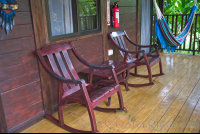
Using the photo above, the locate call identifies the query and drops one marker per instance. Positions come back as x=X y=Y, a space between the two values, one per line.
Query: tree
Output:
x=180 y=6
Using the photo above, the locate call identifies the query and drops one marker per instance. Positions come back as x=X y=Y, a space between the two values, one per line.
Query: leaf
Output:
x=187 y=2
x=183 y=3
x=186 y=10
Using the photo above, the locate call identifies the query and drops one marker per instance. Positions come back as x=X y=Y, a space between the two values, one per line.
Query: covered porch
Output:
x=171 y=105
x=28 y=93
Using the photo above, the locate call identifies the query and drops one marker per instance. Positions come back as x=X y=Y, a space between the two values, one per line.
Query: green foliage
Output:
x=179 y=6
x=87 y=7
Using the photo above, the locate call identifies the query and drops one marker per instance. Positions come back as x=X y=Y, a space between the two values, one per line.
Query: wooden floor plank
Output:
x=183 y=117
x=136 y=107
x=154 y=96
x=193 y=125
x=158 y=112
x=169 y=117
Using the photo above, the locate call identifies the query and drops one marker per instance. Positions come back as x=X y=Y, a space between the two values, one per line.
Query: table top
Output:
x=106 y=73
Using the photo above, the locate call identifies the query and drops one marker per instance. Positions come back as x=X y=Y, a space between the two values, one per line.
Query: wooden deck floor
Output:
x=171 y=105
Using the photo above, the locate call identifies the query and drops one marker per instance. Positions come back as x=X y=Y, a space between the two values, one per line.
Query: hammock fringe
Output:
x=162 y=40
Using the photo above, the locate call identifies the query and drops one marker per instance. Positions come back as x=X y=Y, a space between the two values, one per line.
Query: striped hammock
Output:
x=166 y=37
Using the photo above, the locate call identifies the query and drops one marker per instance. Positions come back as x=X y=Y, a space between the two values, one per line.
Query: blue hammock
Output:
x=166 y=37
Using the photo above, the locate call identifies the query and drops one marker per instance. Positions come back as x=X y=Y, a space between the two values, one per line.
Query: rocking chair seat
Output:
x=97 y=96
x=152 y=61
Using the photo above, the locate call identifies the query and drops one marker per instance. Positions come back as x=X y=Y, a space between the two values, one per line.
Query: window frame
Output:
x=76 y=34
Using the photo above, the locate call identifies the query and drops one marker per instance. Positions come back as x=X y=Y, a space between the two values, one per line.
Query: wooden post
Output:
x=41 y=39
x=161 y=5
x=151 y=30
x=3 y=124
x=138 y=18
x=104 y=28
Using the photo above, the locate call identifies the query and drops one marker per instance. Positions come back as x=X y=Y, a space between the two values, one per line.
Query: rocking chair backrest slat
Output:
x=61 y=64
x=63 y=67
x=55 y=68
x=117 y=42
x=53 y=64
x=71 y=67
x=130 y=57
x=123 y=45
x=118 y=38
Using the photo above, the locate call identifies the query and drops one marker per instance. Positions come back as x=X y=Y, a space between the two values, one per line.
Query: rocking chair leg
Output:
x=123 y=75
x=60 y=115
x=126 y=80
x=160 y=65
x=92 y=119
x=150 y=74
x=119 y=93
x=109 y=101
x=120 y=99
x=136 y=71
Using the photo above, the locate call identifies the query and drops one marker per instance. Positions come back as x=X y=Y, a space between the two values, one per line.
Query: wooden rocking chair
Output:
x=148 y=60
x=73 y=90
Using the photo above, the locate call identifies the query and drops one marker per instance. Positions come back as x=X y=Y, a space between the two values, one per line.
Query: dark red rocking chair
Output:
x=147 y=60
x=73 y=90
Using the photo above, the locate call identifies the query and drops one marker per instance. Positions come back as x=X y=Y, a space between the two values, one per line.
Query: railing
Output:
x=88 y=22
x=177 y=23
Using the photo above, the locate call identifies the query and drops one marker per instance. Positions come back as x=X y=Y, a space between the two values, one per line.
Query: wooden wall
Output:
x=19 y=77
x=128 y=22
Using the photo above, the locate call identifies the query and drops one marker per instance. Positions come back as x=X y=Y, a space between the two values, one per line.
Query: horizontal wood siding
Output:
x=20 y=87
x=128 y=22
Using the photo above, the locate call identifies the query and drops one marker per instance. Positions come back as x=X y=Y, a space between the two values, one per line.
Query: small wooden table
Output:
x=120 y=67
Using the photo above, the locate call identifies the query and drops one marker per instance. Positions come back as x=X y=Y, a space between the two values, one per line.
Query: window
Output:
x=72 y=18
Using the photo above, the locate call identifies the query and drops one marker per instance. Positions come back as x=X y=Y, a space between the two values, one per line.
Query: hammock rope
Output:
x=166 y=36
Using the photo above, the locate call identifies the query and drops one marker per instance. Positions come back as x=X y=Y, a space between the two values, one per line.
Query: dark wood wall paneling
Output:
x=128 y=22
x=19 y=78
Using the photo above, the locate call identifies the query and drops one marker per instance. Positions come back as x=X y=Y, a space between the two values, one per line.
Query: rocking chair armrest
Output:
x=142 y=46
x=131 y=52
x=67 y=81
x=89 y=64
x=135 y=44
